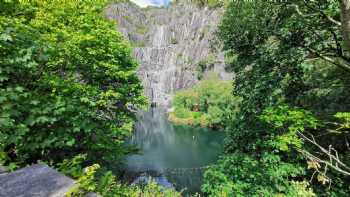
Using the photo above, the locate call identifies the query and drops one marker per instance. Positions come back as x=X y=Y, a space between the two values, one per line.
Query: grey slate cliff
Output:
x=169 y=43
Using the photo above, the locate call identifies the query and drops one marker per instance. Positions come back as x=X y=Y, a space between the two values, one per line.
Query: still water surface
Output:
x=176 y=153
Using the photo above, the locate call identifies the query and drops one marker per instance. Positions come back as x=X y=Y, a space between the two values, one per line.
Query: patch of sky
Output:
x=145 y=3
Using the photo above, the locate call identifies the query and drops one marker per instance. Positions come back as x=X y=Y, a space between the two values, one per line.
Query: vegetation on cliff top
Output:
x=204 y=3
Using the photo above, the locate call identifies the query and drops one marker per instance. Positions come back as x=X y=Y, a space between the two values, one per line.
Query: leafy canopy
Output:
x=288 y=56
x=66 y=81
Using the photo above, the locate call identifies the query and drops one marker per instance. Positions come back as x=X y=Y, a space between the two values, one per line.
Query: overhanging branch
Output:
x=334 y=162
x=337 y=61
x=329 y=18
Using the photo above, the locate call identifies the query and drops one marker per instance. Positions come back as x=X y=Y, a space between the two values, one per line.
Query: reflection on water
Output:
x=173 y=151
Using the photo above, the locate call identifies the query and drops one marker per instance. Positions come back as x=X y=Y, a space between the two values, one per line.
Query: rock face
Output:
x=170 y=43
x=34 y=181
x=2 y=170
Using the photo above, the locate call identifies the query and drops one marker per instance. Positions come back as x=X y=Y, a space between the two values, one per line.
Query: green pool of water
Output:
x=178 y=153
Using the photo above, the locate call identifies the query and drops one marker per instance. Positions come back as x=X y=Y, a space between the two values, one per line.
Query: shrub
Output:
x=174 y=41
x=207 y=104
x=205 y=64
x=241 y=175
x=102 y=182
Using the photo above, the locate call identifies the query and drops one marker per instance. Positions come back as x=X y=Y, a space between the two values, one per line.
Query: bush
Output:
x=104 y=183
x=207 y=104
x=174 y=41
x=241 y=175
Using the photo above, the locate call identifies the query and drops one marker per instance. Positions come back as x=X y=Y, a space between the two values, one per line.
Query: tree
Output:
x=345 y=22
x=281 y=50
x=66 y=81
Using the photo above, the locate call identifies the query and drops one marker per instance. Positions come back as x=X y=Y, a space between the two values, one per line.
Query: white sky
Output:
x=145 y=3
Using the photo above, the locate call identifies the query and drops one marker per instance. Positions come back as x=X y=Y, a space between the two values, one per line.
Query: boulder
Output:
x=161 y=181
x=3 y=170
x=92 y=195
x=35 y=181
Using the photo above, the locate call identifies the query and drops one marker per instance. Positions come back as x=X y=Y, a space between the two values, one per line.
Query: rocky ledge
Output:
x=35 y=181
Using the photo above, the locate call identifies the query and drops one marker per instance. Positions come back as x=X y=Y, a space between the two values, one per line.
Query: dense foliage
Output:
x=292 y=75
x=209 y=103
x=67 y=82
x=106 y=185
x=65 y=85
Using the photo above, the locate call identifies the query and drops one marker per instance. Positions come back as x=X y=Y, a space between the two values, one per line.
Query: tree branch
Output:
x=340 y=62
x=312 y=157
x=331 y=153
x=332 y=20
x=297 y=9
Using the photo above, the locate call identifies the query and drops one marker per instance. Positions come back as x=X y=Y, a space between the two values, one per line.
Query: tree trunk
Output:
x=345 y=22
